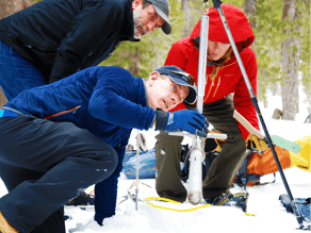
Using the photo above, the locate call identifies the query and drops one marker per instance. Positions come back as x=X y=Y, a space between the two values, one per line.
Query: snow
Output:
x=263 y=201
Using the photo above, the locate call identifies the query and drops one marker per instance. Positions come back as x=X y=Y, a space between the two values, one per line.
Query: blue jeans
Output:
x=17 y=74
x=147 y=161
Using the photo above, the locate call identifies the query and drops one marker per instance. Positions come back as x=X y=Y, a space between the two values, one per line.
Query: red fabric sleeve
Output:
x=242 y=100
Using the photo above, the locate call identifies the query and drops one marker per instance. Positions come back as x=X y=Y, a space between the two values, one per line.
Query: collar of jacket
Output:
x=210 y=63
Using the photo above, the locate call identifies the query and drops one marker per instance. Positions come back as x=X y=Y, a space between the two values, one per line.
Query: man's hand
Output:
x=184 y=120
x=255 y=142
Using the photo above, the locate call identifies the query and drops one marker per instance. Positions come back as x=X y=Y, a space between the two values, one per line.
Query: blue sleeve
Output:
x=115 y=98
x=106 y=193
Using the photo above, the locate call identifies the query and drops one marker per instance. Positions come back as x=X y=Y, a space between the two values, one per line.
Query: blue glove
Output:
x=184 y=120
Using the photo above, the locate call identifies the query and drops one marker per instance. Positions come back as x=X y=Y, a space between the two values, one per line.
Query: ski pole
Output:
x=217 y=5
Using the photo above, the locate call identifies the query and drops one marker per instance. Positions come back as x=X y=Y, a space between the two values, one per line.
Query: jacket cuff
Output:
x=161 y=118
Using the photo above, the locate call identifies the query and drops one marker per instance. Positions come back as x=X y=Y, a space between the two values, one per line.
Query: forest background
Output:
x=282 y=45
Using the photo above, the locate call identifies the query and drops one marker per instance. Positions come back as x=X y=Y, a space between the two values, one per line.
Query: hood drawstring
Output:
x=210 y=88
x=218 y=84
x=218 y=64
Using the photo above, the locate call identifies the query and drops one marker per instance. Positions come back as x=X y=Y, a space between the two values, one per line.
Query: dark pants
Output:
x=44 y=164
x=16 y=73
x=223 y=168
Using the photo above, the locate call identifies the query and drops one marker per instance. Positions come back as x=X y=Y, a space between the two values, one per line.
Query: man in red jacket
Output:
x=223 y=77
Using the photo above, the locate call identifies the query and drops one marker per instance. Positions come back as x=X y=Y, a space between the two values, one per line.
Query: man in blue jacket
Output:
x=60 y=138
x=54 y=38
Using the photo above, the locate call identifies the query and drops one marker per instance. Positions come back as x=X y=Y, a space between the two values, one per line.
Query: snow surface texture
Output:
x=263 y=201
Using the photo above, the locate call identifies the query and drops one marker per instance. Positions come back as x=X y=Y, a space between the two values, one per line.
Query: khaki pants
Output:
x=223 y=168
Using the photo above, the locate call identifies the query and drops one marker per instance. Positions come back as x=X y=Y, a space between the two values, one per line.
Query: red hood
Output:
x=238 y=24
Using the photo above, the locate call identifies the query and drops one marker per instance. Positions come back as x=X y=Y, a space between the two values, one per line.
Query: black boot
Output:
x=82 y=199
x=216 y=200
x=239 y=200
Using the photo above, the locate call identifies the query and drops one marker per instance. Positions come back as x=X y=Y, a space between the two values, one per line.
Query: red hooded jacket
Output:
x=229 y=78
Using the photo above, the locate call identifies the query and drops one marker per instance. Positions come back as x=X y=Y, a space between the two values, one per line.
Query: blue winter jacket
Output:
x=108 y=101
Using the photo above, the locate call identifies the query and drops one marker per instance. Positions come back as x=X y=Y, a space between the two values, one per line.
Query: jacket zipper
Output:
x=211 y=87
x=73 y=110
x=218 y=84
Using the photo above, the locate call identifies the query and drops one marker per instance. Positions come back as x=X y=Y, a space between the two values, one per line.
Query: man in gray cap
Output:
x=162 y=9
x=53 y=39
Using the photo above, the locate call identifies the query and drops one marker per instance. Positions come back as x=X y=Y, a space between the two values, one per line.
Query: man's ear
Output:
x=137 y=4
x=153 y=77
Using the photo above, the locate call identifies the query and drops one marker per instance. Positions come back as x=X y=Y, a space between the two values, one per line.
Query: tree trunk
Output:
x=134 y=57
x=7 y=7
x=290 y=60
x=250 y=10
x=22 y=4
x=185 y=6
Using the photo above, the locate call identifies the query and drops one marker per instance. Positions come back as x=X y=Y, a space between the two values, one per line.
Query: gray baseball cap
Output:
x=162 y=7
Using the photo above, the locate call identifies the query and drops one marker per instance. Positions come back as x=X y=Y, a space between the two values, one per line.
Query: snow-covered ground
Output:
x=263 y=202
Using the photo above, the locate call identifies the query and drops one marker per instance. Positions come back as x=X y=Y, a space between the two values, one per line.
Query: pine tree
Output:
x=269 y=29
